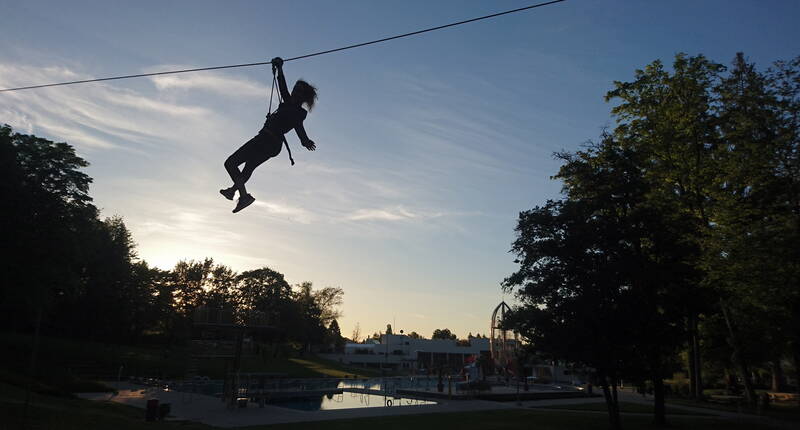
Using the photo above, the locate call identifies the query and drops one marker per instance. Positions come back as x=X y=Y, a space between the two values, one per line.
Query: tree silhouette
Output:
x=443 y=334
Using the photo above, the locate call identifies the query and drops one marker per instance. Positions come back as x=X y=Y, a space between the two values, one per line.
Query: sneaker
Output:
x=244 y=201
x=228 y=192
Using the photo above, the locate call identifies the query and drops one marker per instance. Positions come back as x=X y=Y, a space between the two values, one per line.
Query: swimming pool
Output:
x=348 y=400
x=212 y=387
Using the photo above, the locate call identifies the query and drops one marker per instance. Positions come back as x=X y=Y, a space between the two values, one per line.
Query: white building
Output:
x=402 y=352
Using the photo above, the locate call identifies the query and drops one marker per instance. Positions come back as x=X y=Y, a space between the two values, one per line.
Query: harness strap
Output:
x=289 y=150
x=271 y=91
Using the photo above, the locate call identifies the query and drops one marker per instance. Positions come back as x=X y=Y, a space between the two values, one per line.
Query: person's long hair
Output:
x=306 y=93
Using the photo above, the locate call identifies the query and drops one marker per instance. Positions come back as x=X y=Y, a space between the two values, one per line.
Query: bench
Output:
x=783 y=397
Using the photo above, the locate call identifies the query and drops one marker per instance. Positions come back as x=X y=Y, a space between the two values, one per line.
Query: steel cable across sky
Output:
x=261 y=63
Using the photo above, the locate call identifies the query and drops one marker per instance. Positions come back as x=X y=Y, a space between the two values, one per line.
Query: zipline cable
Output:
x=261 y=63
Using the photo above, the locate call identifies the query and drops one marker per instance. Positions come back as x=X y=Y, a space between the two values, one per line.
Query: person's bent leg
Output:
x=268 y=146
x=247 y=171
x=231 y=166
x=245 y=199
x=256 y=151
x=242 y=155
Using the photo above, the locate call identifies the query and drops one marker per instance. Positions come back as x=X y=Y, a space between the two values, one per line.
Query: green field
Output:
x=623 y=407
x=515 y=419
x=788 y=411
x=66 y=362
x=47 y=412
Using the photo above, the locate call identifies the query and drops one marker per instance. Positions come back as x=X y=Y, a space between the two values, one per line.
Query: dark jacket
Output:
x=285 y=118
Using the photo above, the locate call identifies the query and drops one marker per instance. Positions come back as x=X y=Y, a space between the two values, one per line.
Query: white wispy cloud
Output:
x=157 y=156
x=398 y=213
x=395 y=214
x=207 y=81
x=288 y=212
x=97 y=115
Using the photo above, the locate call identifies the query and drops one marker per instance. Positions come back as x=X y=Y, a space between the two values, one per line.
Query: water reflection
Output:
x=348 y=400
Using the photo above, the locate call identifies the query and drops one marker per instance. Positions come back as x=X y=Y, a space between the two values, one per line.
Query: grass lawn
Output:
x=309 y=366
x=60 y=359
x=332 y=369
x=782 y=410
x=511 y=420
x=623 y=407
x=65 y=413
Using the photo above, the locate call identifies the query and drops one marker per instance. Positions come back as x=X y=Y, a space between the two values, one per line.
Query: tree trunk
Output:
x=796 y=351
x=750 y=393
x=698 y=365
x=660 y=418
x=728 y=381
x=796 y=354
x=777 y=375
x=34 y=355
x=691 y=358
x=611 y=404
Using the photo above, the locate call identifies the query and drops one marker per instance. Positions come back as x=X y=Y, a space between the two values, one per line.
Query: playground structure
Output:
x=503 y=343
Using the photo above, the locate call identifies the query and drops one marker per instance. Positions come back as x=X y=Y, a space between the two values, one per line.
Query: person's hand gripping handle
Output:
x=277 y=64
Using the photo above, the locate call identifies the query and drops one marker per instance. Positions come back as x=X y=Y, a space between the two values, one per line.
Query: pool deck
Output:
x=210 y=410
x=497 y=393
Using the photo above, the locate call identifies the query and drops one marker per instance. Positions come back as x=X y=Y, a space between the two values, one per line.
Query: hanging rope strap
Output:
x=271 y=91
x=289 y=150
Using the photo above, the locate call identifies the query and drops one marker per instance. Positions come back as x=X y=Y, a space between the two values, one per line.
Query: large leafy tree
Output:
x=696 y=189
x=606 y=268
x=263 y=293
x=334 y=337
x=46 y=208
x=328 y=300
x=752 y=252
x=667 y=117
x=307 y=325
x=723 y=147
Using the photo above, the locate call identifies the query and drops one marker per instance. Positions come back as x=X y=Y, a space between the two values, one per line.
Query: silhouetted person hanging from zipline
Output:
x=268 y=142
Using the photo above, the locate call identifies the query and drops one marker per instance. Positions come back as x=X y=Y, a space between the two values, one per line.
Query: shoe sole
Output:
x=229 y=198
x=248 y=204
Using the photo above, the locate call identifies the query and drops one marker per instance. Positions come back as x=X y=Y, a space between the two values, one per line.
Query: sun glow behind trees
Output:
x=82 y=276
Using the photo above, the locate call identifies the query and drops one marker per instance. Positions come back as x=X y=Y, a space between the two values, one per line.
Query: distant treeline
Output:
x=70 y=273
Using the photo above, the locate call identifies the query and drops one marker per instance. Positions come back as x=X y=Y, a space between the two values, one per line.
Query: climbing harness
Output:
x=269 y=112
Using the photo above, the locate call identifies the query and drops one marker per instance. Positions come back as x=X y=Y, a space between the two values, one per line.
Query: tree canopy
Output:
x=73 y=274
x=443 y=334
x=677 y=229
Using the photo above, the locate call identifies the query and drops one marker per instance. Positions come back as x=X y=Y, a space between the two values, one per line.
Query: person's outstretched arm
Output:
x=277 y=64
x=304 y=140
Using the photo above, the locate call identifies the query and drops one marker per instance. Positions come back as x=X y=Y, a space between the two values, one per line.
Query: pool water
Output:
x=348 y=400
x=388 y=385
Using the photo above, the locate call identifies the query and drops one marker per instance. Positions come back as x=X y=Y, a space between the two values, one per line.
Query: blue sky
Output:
x=428 y=147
